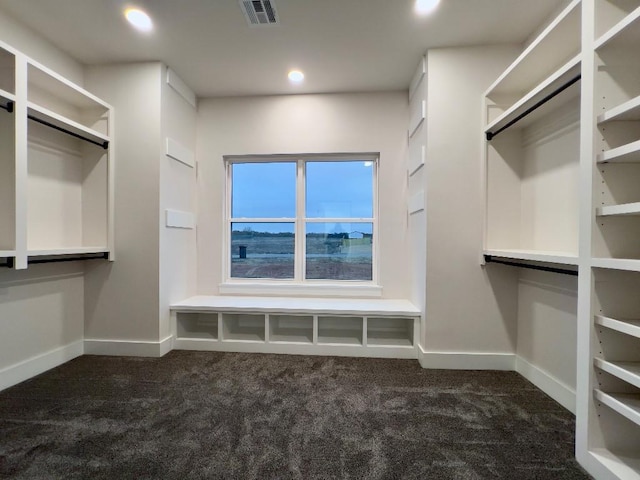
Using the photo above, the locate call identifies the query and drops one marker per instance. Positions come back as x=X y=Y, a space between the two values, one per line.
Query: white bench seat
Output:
x=308 y=326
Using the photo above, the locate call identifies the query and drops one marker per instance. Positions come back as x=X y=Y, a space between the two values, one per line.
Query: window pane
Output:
x=263 y=190
x=339 y=251
x=339 y=190
x=262 y=250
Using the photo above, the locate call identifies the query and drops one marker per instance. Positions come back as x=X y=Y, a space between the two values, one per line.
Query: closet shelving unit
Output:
x=380 y=328
x=57 y=177
x=7 y=154
x=612 y=368
x=532 y=145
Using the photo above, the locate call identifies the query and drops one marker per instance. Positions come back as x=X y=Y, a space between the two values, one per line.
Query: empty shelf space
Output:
x=626 y=371
x=340 y=330
x=197 y=325
x=561 y=258
x=622 y=465
x=627 y=111
x=243 y=327
x=556 y=90
x=44 y=80
x=291 y=329
x=628 y=264
x=625 y=209
x=397 y=332
x=59 y=122
x=625 y=32
x=626 y=404
x=556 y=44
x=626 y=326
x=629 y=153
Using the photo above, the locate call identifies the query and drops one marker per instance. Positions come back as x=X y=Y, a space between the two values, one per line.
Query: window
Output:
x=302 y=219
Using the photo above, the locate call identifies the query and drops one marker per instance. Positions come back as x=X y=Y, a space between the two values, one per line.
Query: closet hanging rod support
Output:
x=102 y=256
x=555 y=93
x=104 y=144
x=9 y=263
x=8 y=107
x=563 y=271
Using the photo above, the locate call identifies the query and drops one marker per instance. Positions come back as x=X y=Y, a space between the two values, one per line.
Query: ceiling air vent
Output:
x=259 y=12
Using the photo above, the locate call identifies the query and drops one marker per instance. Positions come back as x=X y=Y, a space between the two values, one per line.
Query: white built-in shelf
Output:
x=296 y=305
x=7 y=253
x=565 y=74
x=60 y=121
x=629 y=153
x=46 y=80
x=626 y=404
x=624 y=209
x=556 y=44
x=624 y=33
x=626 y=371
x=7 y=96
x=628 y=264
x=621 y=465
x=629 y=110
x=564 y=258
x=626 y=326
x=66 y=251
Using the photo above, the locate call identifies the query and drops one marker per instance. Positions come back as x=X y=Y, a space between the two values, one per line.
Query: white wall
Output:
x=121 y=301
x=33 y=45
x=468 y=309
x=372 y=122
x=178 y=191
x=547 y=331
x=41 y=309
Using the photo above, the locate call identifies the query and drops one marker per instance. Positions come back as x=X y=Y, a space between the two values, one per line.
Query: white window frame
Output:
x=299 y=283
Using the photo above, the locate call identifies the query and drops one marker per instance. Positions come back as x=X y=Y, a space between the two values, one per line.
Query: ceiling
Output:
x=341 y=45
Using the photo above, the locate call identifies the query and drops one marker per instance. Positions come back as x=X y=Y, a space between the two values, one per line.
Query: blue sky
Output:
x=334 y=189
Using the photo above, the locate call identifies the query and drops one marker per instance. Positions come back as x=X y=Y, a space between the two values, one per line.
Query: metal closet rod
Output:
x=531 y=109
x=11 y=260
x=9 y=108
x=103 y=144
x=563 y=271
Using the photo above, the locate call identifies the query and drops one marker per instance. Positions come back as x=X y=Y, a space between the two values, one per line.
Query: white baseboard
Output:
x=290 y=348
x=33 y=366
x=128 y=348
x=466 y=361
x=550 y=385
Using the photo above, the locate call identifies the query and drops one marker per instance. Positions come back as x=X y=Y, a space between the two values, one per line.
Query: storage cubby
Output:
x=197 y=326
x=612 y=15
x=290 y=328
x=67 y=193
x=340 y=330
x=532 y=185
x=390 y=331
x=243 y=327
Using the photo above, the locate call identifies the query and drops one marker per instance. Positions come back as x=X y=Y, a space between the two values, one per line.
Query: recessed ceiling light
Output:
x=296 y=76
x=139 y=19
x=424 y=7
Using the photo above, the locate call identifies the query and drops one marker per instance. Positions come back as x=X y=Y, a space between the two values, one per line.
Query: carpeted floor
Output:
x=248 y=416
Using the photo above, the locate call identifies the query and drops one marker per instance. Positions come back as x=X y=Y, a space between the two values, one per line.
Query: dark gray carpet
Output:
x=248 y=416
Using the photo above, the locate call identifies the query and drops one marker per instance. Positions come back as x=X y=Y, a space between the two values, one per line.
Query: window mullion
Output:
x=300 y=247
